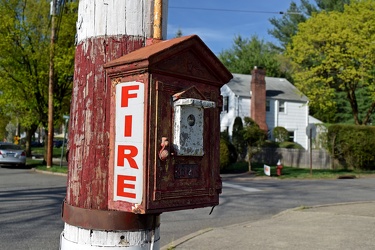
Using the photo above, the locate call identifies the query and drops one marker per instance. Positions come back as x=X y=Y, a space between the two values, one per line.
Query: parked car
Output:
x=11 y=154
x=57 y=143
x=36 y=144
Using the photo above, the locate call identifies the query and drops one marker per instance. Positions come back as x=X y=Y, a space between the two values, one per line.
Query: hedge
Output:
x=353 y=146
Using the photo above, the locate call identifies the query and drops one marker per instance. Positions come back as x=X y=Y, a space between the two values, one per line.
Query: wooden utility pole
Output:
x=51 y=85
x=106 y=30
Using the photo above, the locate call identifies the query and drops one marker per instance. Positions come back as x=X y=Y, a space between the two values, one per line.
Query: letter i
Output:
x=128 y=126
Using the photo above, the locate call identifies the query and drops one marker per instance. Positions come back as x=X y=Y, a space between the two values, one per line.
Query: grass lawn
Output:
x=39 y=151
x=299 y=173
x=240 y=167
x=54 y=168
x=38 y=162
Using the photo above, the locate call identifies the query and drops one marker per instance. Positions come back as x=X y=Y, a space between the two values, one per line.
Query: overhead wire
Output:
x=233 y=10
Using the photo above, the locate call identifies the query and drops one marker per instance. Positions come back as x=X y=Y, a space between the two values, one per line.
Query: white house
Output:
x=282 y=104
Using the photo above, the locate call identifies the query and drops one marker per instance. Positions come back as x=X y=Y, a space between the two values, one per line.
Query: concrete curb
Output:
x=317 y=206
x=182 y=240
x=48 y=172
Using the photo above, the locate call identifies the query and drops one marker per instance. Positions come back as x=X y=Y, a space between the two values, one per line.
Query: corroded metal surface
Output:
x=108 y=220
x=186 y=72
x=89 y=120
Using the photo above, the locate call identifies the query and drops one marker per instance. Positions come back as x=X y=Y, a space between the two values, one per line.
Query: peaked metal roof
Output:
x=276 y=88
x=196 y=60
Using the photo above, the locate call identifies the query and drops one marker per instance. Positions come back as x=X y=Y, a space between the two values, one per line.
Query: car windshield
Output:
x=10 y=147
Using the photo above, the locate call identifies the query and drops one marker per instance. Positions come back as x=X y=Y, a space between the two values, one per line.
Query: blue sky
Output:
x=218 y=28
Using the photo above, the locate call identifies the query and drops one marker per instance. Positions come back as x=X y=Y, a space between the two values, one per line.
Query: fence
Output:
x=298 y=158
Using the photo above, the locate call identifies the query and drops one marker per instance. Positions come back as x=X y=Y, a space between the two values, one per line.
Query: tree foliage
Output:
x=287 y=26
x=237 y=138
x=224 y=154
x=24 y=61
x=228 y=153
x=334 y=52
x=24 y=58
x=352 y=146
x=280 y=134
x=178 y=33
x=247 y=53
x=64 y=58
x=254 y=137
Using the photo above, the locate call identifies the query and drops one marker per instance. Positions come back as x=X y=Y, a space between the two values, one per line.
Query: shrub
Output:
x=224 y=135
x=224 y=154
x=237 y=167
x=288 y=144
x=254 y=136
x=352 y=145
x=271 y=144
x=280 y=134
x=237 y=138
x=228 y=154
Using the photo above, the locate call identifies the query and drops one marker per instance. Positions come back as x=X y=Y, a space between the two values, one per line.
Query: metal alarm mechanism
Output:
x=189 y=126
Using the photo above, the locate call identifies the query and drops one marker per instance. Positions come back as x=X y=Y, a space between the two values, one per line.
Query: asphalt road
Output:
x=30 y=205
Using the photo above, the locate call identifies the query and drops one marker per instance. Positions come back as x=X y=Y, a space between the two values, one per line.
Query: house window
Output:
x=268 y=107
x=282 y=106
x=226 y=103
x=291 y=136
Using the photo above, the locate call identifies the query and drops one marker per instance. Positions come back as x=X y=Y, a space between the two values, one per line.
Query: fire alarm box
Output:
x=165 y=127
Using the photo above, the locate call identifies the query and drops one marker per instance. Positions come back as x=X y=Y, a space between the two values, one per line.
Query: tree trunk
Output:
x=249 y=156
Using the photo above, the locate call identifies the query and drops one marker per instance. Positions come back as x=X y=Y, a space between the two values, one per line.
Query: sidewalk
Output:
x=329 y=227
x=337 y=226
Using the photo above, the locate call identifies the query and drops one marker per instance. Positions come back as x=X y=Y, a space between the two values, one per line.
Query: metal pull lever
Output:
x=164 y=151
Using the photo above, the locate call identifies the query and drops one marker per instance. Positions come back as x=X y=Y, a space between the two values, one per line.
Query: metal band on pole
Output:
x=108 y=219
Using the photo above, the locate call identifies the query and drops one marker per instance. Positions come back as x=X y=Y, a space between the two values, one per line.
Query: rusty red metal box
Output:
x=165 y=127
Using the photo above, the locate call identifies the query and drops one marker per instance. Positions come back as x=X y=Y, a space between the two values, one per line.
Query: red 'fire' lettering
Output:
x=122 y=183
x=122 y=155
x=125 y=95
x=128 y=126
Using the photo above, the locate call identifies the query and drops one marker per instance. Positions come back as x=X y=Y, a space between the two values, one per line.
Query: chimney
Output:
x=258 y=97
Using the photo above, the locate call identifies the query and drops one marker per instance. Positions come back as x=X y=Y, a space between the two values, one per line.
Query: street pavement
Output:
x=335 y=226
x=329 y=227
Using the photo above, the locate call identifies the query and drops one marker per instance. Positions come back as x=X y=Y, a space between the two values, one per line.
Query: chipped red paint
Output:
x=89 y=120
x=178 y=68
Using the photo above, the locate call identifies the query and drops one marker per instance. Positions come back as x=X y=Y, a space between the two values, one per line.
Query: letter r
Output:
x=127 y=152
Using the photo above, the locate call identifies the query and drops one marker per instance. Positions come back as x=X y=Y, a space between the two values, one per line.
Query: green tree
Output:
x=286 y=27
x=179 y=33
x=280 y=134
x=64 y=61
x=254 y=137
x=344 y=112
x=224 y=154
x=228 y=154
x=237 y=138
x=24 y=61
x=247 y=53
x=334 y=52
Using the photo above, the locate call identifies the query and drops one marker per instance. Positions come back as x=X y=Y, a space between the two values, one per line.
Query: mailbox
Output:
x=165 y=127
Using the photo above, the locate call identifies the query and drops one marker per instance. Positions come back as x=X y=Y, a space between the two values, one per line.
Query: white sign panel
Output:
x=267 y=170
x=128 y=163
